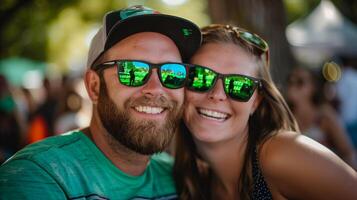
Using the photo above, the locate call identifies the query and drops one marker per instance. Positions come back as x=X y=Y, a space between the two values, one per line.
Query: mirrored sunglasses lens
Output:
x=173 y=75
x=240 y=88
x=201 y=79
x=254 y=40
x=133 y=73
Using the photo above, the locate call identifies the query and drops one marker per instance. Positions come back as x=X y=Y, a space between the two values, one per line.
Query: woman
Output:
x=316 y=118
x=241 y=140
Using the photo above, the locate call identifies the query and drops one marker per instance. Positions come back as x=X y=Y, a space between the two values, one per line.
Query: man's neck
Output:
x=126 y=160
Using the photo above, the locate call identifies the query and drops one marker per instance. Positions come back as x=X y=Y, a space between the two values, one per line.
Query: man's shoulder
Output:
x=49 y=147
x=42 y=166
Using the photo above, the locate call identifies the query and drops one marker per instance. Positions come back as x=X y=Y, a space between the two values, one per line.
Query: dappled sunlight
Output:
x=174 y=2
x=330 y=12
x=331 y=72
x=82 y=67
x=70 y=33
x=67 y=45
x=32 y=79
x=308 y=142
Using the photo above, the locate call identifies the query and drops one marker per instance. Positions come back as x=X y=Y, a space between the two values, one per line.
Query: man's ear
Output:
x=92 y=83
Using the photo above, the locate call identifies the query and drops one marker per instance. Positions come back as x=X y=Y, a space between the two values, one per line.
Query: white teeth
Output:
x=214 y=114
x=149 y=109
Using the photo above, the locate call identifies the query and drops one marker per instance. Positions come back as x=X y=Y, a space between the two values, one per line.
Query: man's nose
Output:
x=153 y=86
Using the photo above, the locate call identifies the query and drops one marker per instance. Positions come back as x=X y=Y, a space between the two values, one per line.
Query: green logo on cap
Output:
x=186 y=32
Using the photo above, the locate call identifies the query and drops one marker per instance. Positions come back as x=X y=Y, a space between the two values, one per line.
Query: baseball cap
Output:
x=120 y=24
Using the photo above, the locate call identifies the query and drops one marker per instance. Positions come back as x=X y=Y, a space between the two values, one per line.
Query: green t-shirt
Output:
x=71 y=166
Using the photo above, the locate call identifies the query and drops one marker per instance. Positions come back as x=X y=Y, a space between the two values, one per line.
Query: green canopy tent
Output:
x=19 y=71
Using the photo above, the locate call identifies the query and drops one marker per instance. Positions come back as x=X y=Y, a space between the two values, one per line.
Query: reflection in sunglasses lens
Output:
x=136 y=73
x=133 y=73
x=238 y=87
x=202 y=79
x=173 y=75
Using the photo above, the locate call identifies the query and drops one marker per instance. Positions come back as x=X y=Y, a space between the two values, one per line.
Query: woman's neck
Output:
x=226 y=161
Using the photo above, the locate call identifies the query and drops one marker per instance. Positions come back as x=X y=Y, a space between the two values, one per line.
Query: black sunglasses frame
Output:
x=112 y=63
x=257 y=82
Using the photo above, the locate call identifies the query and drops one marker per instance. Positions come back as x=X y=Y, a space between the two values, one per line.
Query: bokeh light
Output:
x=174 y=2
x=331 y=71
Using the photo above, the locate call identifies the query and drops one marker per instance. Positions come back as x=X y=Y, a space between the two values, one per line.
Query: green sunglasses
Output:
x=246 y=36
x=238 y=87
x=135 y=73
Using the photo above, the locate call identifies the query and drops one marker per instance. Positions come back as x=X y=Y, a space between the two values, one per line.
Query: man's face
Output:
x=143 y=118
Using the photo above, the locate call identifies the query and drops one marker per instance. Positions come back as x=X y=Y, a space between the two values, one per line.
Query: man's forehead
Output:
x=144 y=39
x=143 y=45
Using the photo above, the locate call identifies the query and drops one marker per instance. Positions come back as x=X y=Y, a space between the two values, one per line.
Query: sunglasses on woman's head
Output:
x=236 y=86
x=246 y=36
x=135 y=73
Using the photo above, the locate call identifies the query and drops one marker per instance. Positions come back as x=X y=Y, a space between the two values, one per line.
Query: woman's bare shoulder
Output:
x=295 y=164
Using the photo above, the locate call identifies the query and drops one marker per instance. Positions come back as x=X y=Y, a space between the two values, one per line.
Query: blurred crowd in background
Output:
x=323 y=97
x=30 y=115
x=326 y=111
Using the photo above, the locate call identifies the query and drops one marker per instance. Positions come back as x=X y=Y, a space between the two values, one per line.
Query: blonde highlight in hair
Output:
x=193 y=177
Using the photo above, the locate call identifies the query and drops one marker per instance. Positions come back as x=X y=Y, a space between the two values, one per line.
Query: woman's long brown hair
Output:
x=192 y=175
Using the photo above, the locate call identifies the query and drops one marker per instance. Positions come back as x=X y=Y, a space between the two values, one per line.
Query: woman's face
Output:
x=213 y=116
x=300 y=86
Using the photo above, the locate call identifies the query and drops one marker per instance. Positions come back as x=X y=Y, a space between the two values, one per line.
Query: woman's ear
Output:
x=92 y=83
x=258 y=98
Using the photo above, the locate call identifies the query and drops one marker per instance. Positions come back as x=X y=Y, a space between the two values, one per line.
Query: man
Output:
x=131 y=119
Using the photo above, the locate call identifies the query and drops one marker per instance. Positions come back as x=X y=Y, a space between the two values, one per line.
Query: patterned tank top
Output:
x=261 y=190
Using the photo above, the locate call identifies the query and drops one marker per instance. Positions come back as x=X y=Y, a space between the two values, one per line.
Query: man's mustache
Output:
x=155 y=101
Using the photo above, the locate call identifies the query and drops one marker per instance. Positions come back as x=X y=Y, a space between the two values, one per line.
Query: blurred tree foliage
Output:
x=299 y=8
x=26 y=25
x=59 y=31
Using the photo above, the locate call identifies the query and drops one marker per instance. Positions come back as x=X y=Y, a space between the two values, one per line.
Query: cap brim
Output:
x=185 y=34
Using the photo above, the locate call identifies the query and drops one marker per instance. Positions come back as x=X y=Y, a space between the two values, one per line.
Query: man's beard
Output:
x=142 y=136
